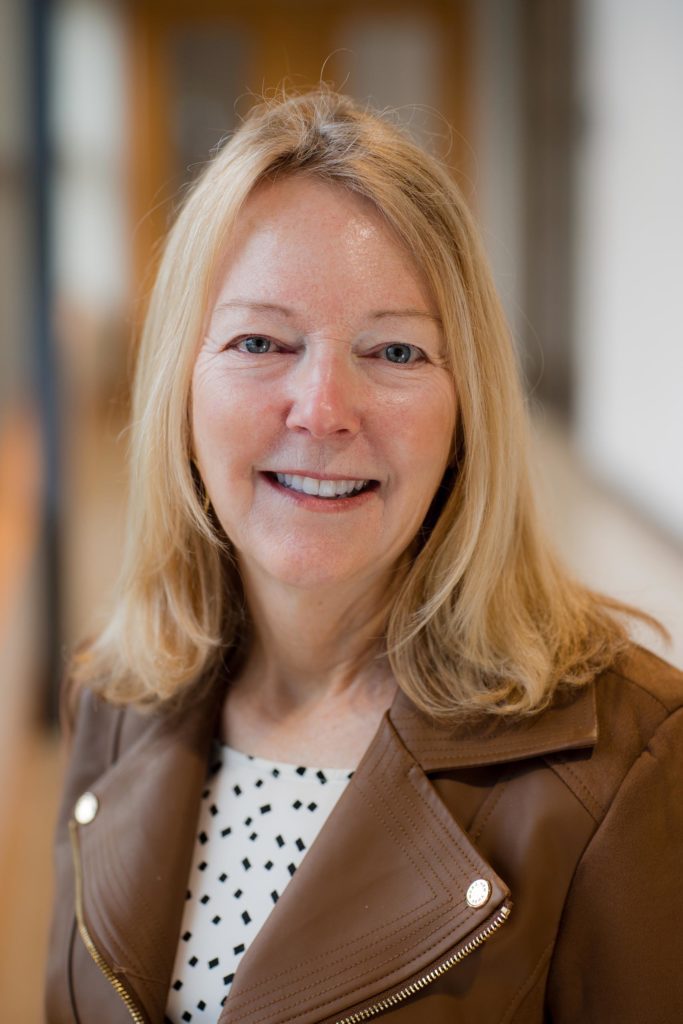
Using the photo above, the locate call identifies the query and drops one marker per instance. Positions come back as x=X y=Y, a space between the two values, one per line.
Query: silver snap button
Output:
x=478 y=893
x=86 y=808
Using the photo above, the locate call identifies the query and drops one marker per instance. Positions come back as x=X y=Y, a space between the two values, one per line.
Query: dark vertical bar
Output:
x=45 y=364
x=550 y=128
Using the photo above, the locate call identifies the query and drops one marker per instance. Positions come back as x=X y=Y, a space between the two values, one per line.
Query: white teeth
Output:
x=320 y=488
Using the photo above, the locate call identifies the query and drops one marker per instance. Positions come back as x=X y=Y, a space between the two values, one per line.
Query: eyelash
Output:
x=418 y=354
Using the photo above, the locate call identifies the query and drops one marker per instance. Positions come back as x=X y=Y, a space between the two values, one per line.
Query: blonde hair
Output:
x=483 y=616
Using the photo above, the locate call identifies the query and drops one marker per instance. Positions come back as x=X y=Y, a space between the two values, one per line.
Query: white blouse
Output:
x=257 y=820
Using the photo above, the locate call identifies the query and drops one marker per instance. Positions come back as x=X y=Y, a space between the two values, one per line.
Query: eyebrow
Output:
x=259 y=307
x=406 y=313
x=272 y=307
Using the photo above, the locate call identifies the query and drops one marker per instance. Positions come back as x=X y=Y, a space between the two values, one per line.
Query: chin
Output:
x=316 y=569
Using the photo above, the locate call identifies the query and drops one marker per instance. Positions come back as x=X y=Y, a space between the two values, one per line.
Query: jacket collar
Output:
x=569 y=723
x=379 y=898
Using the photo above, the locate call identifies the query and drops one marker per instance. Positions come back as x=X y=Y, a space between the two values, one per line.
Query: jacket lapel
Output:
x=379 y=899
x=135 y=855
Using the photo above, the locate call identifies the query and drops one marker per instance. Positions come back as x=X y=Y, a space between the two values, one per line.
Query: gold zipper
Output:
x=115 y=982
x=415 y=986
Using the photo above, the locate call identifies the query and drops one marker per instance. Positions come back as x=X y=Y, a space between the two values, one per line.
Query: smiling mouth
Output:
x=323 y=488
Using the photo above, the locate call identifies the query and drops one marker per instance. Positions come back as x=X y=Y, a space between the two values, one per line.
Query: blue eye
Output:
x=399 y=353
x=256 y=345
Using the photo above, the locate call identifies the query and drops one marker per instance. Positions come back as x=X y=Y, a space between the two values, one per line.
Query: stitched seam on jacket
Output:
x=455 y=921
x=634 y=682
x=449 y=837
x=480 y=822
x=380 y=928
x=415 y=924
x=579 y=789
x=597 y=834
x=326 y=1002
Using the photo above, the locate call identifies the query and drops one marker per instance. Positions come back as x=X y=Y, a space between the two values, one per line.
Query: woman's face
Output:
x=322 y=409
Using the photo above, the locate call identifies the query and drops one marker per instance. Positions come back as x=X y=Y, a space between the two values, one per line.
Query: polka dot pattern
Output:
x=257 y=820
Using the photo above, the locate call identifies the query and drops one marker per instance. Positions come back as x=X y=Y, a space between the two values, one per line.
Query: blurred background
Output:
x=561 y=120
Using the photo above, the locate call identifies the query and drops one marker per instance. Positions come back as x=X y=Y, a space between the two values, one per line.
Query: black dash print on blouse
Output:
x=187 y=1015
x=240 y=869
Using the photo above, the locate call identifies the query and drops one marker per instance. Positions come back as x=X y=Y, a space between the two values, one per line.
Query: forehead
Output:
x=303 y=234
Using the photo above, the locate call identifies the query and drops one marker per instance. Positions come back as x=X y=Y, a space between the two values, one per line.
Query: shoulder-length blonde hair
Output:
x=483 y=615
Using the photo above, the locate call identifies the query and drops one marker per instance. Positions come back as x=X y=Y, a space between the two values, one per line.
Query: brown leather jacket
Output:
x=569 y=824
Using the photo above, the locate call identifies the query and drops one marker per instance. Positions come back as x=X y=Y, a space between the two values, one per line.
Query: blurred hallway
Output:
x=102 y=130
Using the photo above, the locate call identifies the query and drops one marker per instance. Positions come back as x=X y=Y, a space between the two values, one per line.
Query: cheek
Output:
x=421 y=432
x=233 y=427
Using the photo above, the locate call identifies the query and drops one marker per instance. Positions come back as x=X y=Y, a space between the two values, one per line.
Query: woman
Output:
x=353 y=744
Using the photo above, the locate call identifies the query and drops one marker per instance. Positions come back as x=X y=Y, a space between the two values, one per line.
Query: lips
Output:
x=322 y=491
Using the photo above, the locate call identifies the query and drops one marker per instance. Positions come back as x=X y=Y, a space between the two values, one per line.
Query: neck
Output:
x=311 y=645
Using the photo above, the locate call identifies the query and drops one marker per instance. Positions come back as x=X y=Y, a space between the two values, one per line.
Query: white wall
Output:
x=89 y=126
x=629 y=253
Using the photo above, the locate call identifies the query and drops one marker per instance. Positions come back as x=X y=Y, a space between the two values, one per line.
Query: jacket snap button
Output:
x=479 y=893
x=86 y=808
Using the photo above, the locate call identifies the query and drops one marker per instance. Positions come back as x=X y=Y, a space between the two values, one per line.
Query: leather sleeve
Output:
x=620 y=946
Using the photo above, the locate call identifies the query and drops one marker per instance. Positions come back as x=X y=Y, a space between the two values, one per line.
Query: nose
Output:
x=325 y=397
